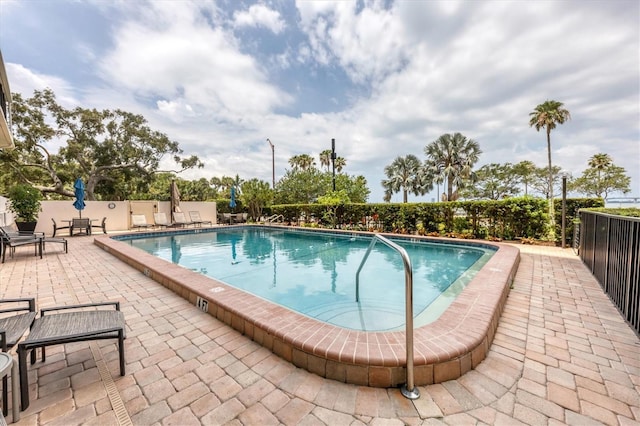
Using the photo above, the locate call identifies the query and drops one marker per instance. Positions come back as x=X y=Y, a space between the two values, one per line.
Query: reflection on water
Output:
x=314 y=273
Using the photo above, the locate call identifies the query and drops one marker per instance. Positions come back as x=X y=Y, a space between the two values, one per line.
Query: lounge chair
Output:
x=12 y=328
x=10 y=240
x=197 y=220
x=82 y=225
x=139 y=221
x=62 y=241
x=67 y=324
x=160 y=220
x=102 y=225
x=180 y=219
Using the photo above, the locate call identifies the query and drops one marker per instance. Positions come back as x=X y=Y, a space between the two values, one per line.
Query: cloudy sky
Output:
x=384 y=78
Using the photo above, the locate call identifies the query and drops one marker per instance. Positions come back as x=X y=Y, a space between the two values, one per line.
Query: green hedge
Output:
x=625 y=211
x=222 y=206
x=573 y=206
x=509 y=219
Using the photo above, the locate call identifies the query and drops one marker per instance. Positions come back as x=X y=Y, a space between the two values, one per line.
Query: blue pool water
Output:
x=315 y=273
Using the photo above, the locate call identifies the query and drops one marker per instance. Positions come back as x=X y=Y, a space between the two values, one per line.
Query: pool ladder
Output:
x=408 y=390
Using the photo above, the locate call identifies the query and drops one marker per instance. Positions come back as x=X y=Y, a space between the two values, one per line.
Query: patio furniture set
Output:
x=11 y=238
x=81 y=225
x=54 y=326
x=231 y=218
x=139 y=221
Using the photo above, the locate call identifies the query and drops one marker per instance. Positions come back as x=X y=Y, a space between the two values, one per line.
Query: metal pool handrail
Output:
x=274 y=217
x=408 y=390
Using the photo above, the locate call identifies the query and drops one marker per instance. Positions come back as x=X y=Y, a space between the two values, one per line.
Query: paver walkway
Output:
x=562 y=355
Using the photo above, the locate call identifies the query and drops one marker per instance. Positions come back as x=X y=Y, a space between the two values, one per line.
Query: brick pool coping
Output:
x=443 y=350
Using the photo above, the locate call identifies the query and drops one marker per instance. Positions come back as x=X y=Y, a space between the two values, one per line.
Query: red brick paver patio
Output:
x=561 y=355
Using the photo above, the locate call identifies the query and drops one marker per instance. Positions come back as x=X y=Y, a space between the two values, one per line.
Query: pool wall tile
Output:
x=267 y=341
x=336 y=371
x=448 y=370
x=248 y=329
x=299 y=359
x=380 y=376
x=282 y=350
x=317 y=365
x=479 y=353
x=258 y=336
x=443 y=350
x=465 y=363
x=357 y=375
x=237 y=323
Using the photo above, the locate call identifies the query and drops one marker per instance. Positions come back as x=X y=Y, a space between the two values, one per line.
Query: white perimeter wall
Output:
x=118 y=217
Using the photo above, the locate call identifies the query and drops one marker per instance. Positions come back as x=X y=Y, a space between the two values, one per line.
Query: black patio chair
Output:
x=102 y=225
x=68 y=324
x=82 y=225
x=12 y=328
x=9 y=241
x=56 y=228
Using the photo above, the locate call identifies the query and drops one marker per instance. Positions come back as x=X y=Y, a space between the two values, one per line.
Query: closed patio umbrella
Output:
x=232 y=202
x=175 y=196
x=79 y=193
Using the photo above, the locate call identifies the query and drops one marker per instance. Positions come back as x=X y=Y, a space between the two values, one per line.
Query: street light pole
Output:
x=564 y=207
x=333 y=161
x=273 y=163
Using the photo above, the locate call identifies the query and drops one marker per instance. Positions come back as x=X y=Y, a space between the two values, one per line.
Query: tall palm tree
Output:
x=547 y=115
x=340 y=163
x=450 y=158
x=325 y=158
x=406 y=174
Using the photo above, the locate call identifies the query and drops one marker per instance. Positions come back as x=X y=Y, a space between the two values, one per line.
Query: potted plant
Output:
x=24 y=202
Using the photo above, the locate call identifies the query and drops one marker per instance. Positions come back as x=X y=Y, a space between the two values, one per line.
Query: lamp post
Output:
x=333 y=162
x=564 y=207
x=273 y=163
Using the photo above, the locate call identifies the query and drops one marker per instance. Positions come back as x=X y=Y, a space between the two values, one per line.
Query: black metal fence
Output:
x=610 y=247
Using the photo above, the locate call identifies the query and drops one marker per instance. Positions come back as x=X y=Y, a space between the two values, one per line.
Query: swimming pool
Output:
x=314 y=273
x=456 y=342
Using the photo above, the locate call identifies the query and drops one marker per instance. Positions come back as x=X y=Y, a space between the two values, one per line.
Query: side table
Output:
x=8 y=364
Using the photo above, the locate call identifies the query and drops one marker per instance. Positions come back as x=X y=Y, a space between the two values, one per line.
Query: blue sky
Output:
x=384 y=78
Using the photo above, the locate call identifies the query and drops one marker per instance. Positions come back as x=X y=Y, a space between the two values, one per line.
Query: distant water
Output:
x=623 y=203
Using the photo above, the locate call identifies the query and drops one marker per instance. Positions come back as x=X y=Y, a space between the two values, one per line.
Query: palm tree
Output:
x=408 y=175
x=325 y=158
x=302 y=162
x=547 y=115
x=450 y=158
x=340 y=163
x=600 y=162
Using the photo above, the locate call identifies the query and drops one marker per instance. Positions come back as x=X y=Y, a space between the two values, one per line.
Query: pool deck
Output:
x=561 y=354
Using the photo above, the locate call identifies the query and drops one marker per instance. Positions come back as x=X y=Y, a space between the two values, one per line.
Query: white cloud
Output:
x=420 y=68
x=259 y=15
x=367 y=43
x=171 y=54
x=25 y=81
